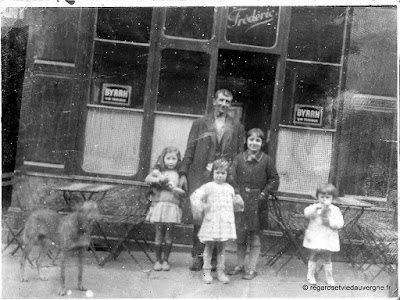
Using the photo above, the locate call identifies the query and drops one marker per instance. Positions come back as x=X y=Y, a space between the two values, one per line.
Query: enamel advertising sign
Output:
x=308 y=115
x=116 y=94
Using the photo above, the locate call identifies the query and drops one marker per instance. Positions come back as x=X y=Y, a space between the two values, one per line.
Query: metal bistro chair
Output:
x=381 y=248
x=292 y=227
x=350 y=236
x=16 y=237
x=126 y=228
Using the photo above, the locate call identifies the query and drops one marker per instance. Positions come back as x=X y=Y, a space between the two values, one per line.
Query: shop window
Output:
x=369 y=139
x=372 y=62
x=47 y=122
x=314 y=89
x=112 y=141
x=170 y=130
x=119 y=75
x=189 y=22
x=369 y=145
x=130 y=24
x=303 y=159
x=255 y=26
x=183 y=82
x=316 y=34
x=55 y=38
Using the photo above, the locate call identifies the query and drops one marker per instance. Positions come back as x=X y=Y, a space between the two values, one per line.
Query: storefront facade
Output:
x=106 y=89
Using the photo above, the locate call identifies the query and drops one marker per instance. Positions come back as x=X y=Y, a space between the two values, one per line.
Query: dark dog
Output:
x=70 y=233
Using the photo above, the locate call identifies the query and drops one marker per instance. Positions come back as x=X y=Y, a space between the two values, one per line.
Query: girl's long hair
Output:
x=160 y=165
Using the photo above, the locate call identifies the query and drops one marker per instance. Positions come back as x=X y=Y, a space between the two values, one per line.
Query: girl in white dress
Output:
x=322 y=234
x=216 y=200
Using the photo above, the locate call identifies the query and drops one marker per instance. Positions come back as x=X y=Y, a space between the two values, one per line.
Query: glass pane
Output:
x=251 y=78
x=369 y=144
x=311 y=85
x=189 y=22
x=118 y=65
x=131 y=24
x=46 y=136
x=252 y=25
x=112 y=141
x=183 y=81
x=303 y=159
x=55 y=36
x=316 y=33
x=372 y=63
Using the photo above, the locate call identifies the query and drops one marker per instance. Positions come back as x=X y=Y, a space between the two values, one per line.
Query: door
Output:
x=251 y=78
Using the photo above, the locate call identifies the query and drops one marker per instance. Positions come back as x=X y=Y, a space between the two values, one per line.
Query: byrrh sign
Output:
x=116 y=94
x=308 y=115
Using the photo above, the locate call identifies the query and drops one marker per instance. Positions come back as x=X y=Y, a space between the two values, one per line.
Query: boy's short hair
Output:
x=224 y=92
x=258 y=132
x=327 y=188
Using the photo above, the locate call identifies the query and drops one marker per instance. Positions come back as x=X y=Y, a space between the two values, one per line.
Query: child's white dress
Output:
x=219 y=222
x=165 y=203
x=319 y=236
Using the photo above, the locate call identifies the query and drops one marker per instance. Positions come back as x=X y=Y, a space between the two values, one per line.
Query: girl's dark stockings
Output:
x=158 y=250
x=163 y=233
x=167 y=250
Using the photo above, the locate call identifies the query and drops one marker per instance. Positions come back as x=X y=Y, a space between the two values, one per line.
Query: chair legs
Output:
x=379 y=250
x=131 y=232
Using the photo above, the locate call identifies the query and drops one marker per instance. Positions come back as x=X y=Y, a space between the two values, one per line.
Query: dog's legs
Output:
x=80 y=270
x=42 y=253
x=26 y=249
x=55 y=256
x=62 y=290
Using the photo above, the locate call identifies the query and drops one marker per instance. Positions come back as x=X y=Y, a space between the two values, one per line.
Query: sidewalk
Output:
x=123 y=278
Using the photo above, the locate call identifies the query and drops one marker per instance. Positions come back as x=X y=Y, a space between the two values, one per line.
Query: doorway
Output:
x=251 y=78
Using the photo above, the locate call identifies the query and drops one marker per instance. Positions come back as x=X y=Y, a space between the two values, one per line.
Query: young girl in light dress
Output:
x=165 y=210
x=216 y=200
x=322 y=234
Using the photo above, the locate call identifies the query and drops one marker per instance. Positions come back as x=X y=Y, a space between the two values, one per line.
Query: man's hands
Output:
x=262 y=202
x=183 y=184
x=263 y=196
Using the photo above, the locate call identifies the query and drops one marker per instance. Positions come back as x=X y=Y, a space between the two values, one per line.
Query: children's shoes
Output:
x=166 y=266
x=207 y=278
x=328 y=274
x=312 y=265
x=157 y=266
x=222 y=277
